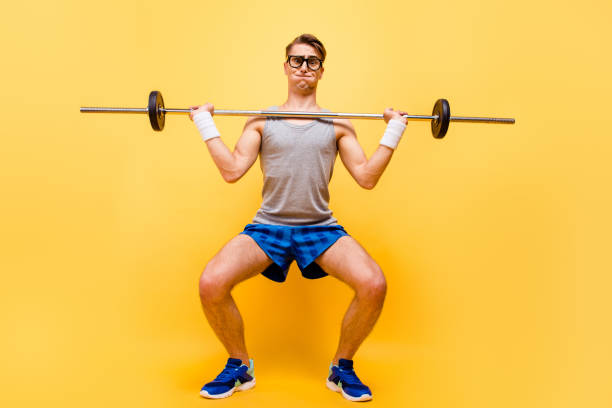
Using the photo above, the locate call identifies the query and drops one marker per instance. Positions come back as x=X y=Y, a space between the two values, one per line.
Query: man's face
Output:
x=303 y=77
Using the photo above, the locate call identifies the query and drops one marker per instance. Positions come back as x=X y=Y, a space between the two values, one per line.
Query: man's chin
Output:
x=304 y=86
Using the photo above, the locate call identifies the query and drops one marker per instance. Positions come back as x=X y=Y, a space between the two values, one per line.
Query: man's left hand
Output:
x=389 y=114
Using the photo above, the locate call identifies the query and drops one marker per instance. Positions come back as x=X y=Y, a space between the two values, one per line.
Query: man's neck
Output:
x=301 y=102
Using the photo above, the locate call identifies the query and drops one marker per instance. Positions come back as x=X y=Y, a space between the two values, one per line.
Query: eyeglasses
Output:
x=296 y=61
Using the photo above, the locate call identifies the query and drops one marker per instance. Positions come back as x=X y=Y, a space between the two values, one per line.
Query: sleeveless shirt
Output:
x=297 y=162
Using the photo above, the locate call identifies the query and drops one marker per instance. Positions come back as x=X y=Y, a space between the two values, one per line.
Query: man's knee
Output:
x=373 y=285
x=212 y=286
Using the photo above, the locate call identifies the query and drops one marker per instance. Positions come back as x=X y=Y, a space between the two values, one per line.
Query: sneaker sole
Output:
x=241 y=387
x=334 y=387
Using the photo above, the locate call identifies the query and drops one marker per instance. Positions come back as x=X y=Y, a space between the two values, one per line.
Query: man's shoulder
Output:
x=343 y=127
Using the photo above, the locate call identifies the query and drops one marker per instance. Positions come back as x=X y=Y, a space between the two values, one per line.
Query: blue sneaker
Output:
x=234 y=377
x=342 y=378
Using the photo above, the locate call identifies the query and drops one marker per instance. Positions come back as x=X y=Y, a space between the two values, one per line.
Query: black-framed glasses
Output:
x=296 y=61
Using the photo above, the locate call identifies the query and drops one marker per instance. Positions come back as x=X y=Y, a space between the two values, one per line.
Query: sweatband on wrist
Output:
x=205 y=124
x=393 y=133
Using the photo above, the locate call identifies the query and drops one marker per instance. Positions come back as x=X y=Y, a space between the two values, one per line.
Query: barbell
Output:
x=440 y=117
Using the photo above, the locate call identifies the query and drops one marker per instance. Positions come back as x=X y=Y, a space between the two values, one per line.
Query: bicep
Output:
x=247 y=147
x=351 y=153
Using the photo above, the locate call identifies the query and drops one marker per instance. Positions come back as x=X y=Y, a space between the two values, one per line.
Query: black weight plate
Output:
x=157 y=116
x=440 y=126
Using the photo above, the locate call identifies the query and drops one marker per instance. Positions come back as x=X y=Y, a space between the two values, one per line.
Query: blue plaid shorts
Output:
x=284 y=243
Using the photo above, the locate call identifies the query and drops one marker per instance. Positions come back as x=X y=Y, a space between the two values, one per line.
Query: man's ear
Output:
x=322 y=70
x=286 y=68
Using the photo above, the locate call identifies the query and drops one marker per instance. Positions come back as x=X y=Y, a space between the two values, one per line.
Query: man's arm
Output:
x=365 y=172
x=233 y=165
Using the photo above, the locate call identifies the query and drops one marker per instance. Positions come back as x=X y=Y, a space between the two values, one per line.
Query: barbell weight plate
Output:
x=442 y=111
x=157 y=115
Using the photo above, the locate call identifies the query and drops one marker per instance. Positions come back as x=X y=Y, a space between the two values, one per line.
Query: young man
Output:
x=294 y=221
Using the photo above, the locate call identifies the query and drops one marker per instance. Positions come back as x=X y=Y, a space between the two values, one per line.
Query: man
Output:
x=294 y=221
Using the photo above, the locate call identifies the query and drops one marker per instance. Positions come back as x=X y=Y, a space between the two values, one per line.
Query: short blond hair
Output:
x=310 y=40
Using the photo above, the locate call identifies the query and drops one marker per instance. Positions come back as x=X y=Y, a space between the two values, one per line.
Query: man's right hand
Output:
x=209 y=107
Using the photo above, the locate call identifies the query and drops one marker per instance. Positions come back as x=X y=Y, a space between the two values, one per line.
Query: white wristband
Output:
x=205 y=124
x=393 y=133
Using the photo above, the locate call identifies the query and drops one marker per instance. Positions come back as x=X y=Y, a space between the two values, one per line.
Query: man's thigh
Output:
x=348 y=261
x=241 y=258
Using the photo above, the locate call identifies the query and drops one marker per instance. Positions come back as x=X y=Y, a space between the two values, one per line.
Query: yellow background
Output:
x=495 y=240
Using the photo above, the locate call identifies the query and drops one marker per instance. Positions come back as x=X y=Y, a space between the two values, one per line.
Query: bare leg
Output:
x=241 y=258
x=349 y=262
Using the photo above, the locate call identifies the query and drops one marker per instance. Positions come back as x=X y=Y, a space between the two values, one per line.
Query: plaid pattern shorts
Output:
x=284 y=243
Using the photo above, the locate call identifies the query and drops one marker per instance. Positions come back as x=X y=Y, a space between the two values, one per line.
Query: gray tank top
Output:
x=297 y=162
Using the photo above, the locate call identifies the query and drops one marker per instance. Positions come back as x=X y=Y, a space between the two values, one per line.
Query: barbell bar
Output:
x=440 y=117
